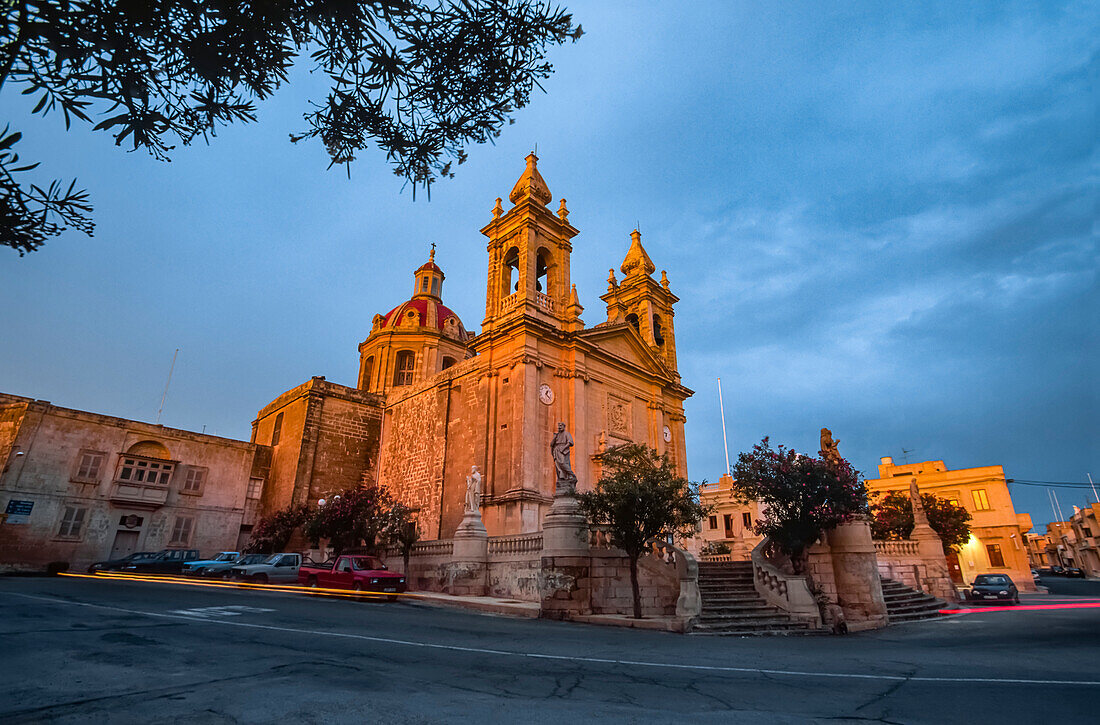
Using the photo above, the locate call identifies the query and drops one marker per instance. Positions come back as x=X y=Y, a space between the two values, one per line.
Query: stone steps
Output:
x=904 y=604
x=732 y=607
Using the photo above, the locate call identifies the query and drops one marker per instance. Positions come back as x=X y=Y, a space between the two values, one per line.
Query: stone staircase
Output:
x=907 y=605
x=731 y=605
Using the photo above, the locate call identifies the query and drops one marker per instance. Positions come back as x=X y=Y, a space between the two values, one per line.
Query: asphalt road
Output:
x=91 y=651
x=1071 y=587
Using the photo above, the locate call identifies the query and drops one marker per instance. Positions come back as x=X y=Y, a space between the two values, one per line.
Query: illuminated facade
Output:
x=996 y=531
x=432 y=399
x=730 y=522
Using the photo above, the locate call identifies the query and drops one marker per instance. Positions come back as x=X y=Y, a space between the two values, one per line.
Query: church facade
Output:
x=432 y=399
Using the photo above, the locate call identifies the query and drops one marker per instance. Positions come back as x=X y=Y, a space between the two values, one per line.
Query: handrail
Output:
x=690 y=602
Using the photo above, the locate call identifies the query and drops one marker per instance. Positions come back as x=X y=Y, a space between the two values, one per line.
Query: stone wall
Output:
x=843 y=567
x=658 y=584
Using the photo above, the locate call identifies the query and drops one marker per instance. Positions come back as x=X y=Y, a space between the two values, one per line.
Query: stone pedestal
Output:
x=565 y=529
x=468 y=572
x=855 y=573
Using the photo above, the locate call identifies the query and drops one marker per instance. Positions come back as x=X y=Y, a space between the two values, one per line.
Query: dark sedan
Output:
x=994 y=587
x=1074 y=572
x=116 y=564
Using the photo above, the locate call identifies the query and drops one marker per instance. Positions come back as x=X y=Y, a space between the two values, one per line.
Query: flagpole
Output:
x=725 y=443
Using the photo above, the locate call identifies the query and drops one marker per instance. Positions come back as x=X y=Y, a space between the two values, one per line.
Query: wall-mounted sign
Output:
x=18 y=512
x=131 y=522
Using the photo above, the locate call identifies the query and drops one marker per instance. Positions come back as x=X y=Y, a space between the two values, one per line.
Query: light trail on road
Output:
x=255 y=586
x=1022 y=607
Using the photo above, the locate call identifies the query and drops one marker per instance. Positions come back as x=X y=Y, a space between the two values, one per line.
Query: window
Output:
x=196 y=477
x=435 y=286
x=277 y=430
x=746 y=520
x=403 y=368
x=995 y=557
x=981 y=501
x=424 y=282
x=255 y=488
x=728 y=521
x=713 y=521
x=368 y=372
x=88 y=466
x=658 y=335
x=181 y=531
x=633 y=320
x=142 y=470
x=448 y=362
x=72 y=522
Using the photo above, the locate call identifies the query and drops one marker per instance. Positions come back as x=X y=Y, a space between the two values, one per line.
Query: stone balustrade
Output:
x=544 y=302
x=901 y=548
x=518 y=544
x=788 y=592
x=510 y=302
x=717 y=557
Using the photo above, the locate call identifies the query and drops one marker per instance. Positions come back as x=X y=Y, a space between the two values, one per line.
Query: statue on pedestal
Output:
x=919 y=517
x=829 y=450
x=559 y=449
x=473 y=491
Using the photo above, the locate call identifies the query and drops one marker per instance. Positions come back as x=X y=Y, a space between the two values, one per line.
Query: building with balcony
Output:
x=1086 y=532
x=1061 y=544
x=82 y=487
x=996 y=530
x=730 y=522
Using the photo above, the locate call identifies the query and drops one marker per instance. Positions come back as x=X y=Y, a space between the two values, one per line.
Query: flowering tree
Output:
x=273 y=532
x=354 y=517
x=641 y=497
x=893 y=518
x=802 y=496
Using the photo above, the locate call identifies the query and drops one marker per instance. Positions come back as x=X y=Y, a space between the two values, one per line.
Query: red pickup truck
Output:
x=358 y=572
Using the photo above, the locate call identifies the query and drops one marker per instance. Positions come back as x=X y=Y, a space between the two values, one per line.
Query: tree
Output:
x=399 y=528
x=419 y=79
x=893 y=518
x=273 y=532
x=640 y=497
x=802 y=496
x=355 y=517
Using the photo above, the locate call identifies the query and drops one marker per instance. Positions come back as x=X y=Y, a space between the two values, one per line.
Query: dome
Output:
x=419 y=313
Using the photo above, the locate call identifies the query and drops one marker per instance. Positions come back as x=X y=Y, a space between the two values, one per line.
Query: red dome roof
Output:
x=430 y=266
x=442 y=314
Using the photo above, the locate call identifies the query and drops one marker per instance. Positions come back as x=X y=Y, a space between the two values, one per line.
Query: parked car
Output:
x=357 y=572
x=169 y=561
x=994 y=587
x=277 y=568
x=1075 y=572
x=116 y=564
x=222 y=568
x=195 y=567
x=1057 y=571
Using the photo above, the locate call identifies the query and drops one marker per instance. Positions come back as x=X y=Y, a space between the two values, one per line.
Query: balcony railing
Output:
x=139 y=495
x=544 y=302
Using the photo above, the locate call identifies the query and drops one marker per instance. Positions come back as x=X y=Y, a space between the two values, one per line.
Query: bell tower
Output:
x=529 y=248
x=643 y=302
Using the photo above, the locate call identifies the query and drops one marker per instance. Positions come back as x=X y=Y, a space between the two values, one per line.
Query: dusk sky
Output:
x=880 y=218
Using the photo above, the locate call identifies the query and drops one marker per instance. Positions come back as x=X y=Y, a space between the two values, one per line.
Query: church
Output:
x=433 y=399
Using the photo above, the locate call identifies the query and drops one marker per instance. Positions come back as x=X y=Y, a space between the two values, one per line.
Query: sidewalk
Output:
x=530 y=610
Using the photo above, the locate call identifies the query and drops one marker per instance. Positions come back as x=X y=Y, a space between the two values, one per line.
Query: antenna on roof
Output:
x=166 y=384
x=905 y=453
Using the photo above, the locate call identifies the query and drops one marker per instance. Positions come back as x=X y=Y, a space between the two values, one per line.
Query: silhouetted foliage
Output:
x=271 y=535
x=802 y=496
x=893 y=518
x=640 y=497
x=399 y=528
x=418 y=79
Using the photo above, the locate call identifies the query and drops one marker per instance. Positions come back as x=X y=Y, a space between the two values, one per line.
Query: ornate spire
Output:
x=637 y=261
x=531 y=184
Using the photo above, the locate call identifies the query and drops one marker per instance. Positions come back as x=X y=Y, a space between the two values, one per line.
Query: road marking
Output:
x=234 y=610
x=572 y=658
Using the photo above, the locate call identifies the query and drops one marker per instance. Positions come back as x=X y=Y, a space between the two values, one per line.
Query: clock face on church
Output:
x=668 y=434
x=546 y=395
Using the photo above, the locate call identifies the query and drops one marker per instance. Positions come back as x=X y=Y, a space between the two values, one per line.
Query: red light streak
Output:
x=1022 y=607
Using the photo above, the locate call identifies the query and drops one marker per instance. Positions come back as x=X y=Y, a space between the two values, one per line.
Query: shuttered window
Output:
x=194 y=481
x=181 y=531
x=72 y=522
